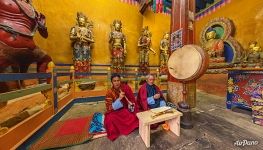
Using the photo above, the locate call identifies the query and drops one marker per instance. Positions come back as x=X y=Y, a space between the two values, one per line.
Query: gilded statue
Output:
x=164 y=52
x=214 y=47
x=144 y=44
x=117 y=42
x=82 y=39
x=254 y=54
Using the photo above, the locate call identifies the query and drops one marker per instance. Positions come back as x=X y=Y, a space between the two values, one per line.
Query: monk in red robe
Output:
x=121 y=108
x=149 y=95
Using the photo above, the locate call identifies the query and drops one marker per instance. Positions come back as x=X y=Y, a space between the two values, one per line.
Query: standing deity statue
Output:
x=117 y=42
x=19 y=22
x=214 y=47
x=144 y=44
x=164 y=53
x=82 y=40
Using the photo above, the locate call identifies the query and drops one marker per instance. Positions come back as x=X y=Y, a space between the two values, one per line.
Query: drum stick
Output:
x=127 y=99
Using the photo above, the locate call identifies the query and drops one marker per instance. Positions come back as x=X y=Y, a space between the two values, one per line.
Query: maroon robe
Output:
x=121 y=121
x=142 y=101
x=142 y=97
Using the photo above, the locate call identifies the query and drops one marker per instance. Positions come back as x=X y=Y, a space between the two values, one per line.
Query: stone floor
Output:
x=214 y=128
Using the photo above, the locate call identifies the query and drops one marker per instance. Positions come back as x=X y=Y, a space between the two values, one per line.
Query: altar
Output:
x=245 y=88
x=242 y=84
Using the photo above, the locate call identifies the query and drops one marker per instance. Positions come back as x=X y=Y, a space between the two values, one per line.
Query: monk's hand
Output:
x=156 y=96
x=121 y=95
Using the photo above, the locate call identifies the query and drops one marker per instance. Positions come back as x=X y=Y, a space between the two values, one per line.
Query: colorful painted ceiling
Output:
x=203 y=7
x=157 y=6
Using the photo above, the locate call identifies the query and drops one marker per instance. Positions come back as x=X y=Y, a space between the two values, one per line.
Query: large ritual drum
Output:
x=188 y=63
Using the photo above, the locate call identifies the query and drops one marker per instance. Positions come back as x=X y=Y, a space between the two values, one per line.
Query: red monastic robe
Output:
x=121 y=121
x=142 y=97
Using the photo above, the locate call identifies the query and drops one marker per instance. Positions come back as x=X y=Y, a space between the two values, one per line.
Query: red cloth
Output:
x=121 y=121
x=142 y=97
x=73 y=126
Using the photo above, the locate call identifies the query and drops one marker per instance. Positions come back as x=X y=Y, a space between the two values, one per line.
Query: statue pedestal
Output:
x=217 y=60
x=82 y=66
x=220 y=65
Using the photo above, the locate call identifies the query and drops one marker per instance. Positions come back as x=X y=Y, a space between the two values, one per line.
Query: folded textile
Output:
x=97 y=124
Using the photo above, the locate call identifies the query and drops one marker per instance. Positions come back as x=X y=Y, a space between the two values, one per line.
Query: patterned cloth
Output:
x=257 y=110
x=244 y=86
x=257 y=105
x=97 y=124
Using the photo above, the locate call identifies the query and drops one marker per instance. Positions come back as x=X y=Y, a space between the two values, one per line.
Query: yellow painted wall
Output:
x=247 y=17
x=158 y=24
x=61 y=16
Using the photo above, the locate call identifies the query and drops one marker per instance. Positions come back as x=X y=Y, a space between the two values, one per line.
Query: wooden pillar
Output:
x=182 y=17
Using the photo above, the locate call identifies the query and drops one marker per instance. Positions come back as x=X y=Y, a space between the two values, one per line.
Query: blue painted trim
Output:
x=210 y=8
x=103 y=65
x=60 y=74
x=22 y=76
x=62 y=64
x=229 y=96
x=88 y=74
x=55 y=91
x=239 y=105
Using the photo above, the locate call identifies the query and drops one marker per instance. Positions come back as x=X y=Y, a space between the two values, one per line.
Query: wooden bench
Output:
x=145 y=121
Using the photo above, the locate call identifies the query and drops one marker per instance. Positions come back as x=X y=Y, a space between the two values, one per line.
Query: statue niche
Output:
x=214 y=47
x=216 y=38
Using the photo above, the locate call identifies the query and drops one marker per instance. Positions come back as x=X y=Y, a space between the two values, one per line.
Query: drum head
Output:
x=187 y=63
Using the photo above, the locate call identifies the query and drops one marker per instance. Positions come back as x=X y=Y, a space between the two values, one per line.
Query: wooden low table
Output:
x=145 y=121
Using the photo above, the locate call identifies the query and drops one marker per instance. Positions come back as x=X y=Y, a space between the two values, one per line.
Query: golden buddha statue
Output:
x=82 y=39
x=214 y=47
x=144 y=44
x=253 y=55
x=117 y=42
x=164 y=52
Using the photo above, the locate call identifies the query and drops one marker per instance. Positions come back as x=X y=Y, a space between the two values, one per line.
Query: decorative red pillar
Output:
x=182 y=18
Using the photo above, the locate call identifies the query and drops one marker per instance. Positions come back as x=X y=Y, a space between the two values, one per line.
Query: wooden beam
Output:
x=144 y=4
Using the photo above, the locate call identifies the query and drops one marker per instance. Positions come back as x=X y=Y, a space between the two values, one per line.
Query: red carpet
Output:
x=65 y=133
x=73 y=126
